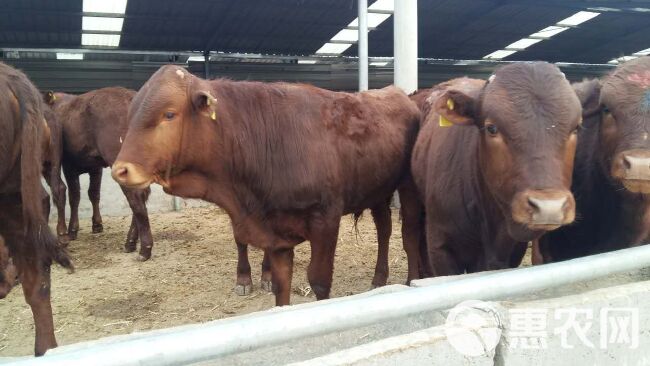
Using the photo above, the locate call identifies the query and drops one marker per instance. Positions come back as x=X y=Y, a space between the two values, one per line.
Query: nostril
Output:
x=121 y=172
x=627 y=163
x=533 y=204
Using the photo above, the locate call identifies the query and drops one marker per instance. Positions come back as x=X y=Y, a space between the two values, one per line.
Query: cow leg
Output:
x=282 y=269
x=131 y=237
x=53 y=177
x=36 y=287
x=94 y=192
x=137 y=201
x=381 y=216
x=441 y=259
x=34 y=276
x=244 y=282
x=72 y=178
x=412 y=231
x=321 y=266
x=266 y=280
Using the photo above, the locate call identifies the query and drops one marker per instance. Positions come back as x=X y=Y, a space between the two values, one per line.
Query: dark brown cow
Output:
x=611 y=179
x=500 y=176
x=286 y=161
x=52 y=172
x=94 y=126
x=27 y=247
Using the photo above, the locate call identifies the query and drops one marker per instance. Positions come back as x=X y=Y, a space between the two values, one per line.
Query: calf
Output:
x=285 y=161
x=493 y=165
x=611 y=179
x=94 y=126
x=27 y=246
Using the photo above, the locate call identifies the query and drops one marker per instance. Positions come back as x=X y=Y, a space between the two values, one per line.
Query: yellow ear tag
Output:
x=53 y=97
x=443 y=122
x=213 y=116
x=450 y=104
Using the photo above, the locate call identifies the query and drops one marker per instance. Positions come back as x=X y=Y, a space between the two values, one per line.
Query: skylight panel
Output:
x=379 y=63
x=307 y=62
x=104 y=40
x=388 y=5
x=498 y=55
x=642 y=52
x=621 y=59
x=522 y=44
x=333 y=48
x=548 y=32
x=69 y=56
x=374 y=20
x=578 y=18
x=104 y=6
x=101 y=24
x=347 y=35
x=196 y=59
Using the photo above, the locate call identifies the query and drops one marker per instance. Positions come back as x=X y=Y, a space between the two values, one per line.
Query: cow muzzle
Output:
x=130 y=175
x=632 y=168
x=543 y=210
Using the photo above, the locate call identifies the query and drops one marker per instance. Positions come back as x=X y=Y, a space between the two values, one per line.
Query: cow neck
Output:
x=620 y=218
x=488 y=207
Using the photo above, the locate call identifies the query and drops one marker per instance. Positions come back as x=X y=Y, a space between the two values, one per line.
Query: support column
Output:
x=405 y=46
x=206 y=64
x=363 y=44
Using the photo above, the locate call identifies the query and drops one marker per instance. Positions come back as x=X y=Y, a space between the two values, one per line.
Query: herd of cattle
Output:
x=482 y=167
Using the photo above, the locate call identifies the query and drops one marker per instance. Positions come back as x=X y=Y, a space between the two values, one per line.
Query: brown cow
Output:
x=286 y=161
x=500 y=176
x=23 y=226
x=611 y=179
x=52 y=172
x=94 y=126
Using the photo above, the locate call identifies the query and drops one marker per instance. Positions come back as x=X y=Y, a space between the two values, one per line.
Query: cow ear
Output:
x=455 y=107
x=205 y=104
x=49 y=97
x=588 y=93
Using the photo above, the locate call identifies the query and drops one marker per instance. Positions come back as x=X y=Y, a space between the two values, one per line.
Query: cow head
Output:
x=619 y=107
x=173 y=111
x=528 y=115
x=8 y=271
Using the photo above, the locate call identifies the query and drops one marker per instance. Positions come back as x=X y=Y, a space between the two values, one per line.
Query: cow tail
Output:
x=39 y=242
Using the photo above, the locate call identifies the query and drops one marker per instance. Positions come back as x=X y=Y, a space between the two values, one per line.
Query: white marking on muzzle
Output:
x=548 y=211
x=637 y=167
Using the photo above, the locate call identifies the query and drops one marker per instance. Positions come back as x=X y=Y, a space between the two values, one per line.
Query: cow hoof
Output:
x=266 y=286
x=98 y=228
x=64 y=240
x=129 y=248
x=243 y=290
x=72 y=235
x=141 y=258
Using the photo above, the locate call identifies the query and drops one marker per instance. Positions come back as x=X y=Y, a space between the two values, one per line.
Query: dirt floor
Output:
x=190 y=278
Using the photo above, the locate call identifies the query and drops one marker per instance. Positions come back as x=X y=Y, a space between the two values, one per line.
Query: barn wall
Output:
x=82 y=76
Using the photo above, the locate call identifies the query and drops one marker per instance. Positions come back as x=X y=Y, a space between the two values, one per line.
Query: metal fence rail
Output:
x=213 y=340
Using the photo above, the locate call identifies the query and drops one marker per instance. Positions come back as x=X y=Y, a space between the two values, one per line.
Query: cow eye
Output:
x=170 y=115
x=491 y=129
x=605 y=109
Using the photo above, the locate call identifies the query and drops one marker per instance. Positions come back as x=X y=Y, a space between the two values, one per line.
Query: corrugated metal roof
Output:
x=453 y=29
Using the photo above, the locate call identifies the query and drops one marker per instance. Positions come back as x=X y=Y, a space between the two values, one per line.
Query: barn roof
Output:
x=448 y=29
